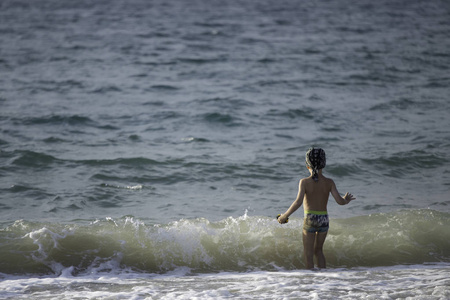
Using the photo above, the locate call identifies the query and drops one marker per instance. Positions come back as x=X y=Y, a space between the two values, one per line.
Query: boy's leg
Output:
x=308 y=248
x=318 y=249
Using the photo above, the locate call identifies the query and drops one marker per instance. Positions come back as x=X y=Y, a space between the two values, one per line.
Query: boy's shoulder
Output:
x=328 y=180
x=305 y=179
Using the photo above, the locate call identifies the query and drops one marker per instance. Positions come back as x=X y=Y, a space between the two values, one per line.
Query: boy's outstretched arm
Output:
x=340 y=200
x=295 y=205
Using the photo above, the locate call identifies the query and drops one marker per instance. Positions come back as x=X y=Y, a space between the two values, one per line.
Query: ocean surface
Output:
x=146 y=147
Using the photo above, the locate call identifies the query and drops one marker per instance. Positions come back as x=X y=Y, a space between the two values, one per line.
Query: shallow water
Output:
x=411 y=282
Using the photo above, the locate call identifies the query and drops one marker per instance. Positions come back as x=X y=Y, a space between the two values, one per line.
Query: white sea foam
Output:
x=430 y=281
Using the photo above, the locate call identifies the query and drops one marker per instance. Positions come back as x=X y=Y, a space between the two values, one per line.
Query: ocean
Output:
x=146 y=147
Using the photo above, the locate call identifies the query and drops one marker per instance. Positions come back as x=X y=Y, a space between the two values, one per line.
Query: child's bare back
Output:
x=316 y=193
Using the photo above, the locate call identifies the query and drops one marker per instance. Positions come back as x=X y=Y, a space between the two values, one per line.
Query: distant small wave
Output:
x=57 y=120
x=163 y=87
x=106 y=90
x=132 y=161
x=305 y=113
x=403 y=104
x=410 y=161
x=33 y=159
x=220 y=119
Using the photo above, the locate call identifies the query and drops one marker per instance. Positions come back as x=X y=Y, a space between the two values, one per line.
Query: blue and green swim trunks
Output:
x=315 y=221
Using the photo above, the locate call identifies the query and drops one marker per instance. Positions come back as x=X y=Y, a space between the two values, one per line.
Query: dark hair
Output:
x=316 y=160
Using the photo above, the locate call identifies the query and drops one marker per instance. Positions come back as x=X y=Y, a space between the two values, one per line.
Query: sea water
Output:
x=146 y=147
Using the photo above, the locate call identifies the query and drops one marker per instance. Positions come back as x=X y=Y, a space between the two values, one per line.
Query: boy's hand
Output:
x=349 y=197
x=282 y=219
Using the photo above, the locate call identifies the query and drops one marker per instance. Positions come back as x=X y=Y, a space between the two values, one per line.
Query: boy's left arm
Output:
x=340 y=200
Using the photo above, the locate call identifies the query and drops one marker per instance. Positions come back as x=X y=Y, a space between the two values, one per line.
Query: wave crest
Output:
x=234 y=244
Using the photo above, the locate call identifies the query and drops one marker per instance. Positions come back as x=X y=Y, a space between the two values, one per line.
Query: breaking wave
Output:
x=242 y=244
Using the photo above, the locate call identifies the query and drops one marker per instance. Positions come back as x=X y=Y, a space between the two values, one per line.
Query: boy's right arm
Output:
x=341 y=201
x=296 y=204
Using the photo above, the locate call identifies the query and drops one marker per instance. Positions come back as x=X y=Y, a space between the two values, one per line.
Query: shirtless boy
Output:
x=313 y=193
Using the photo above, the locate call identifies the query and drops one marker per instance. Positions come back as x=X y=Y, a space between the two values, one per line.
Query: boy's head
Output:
x=315 y=159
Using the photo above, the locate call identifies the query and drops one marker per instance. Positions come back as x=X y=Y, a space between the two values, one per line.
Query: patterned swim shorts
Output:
x=316 y=221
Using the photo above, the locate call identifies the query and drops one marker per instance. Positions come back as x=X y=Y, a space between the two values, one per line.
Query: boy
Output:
x=313 y=193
